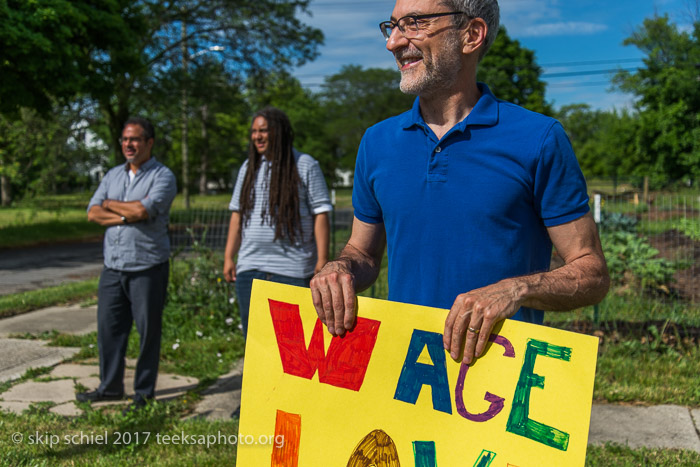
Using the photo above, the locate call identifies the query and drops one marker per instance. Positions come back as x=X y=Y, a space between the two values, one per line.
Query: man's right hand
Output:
x=334 y=297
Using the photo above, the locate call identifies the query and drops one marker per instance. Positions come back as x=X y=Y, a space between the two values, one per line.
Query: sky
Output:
x=578 y=43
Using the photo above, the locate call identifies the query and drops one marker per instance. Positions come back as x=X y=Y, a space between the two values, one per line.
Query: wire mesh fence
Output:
x=652 y=245
x=209 y=228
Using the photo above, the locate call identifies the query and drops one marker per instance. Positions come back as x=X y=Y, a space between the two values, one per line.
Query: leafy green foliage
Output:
x=690 y=228
x=618 y=222
x=667 y=139
x=173 y=29
x=512 y=74
x=42 y=155
x=633 y=262
x=50 y=50
x=355 y=99
x=602 y=140
x=200 y=323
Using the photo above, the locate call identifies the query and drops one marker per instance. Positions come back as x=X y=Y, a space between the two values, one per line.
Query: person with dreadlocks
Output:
x=279 y=222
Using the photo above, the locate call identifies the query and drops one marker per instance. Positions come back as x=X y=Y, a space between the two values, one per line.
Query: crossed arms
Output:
x=111 y=211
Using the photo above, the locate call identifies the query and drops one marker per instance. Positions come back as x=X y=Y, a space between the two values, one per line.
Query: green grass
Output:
x=63 y=218
x=648 y=370
x=144 y=438
x=612 y=455
x=631 y=308
x=73 y=292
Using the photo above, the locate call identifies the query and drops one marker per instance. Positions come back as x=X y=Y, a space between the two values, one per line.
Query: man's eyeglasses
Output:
x=410 y=25
x=131 y=140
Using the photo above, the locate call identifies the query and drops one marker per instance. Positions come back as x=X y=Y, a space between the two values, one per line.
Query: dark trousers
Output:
x=244 y=284
x=124 y=298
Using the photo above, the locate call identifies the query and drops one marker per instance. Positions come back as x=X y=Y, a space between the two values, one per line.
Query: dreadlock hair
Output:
x=283 y=182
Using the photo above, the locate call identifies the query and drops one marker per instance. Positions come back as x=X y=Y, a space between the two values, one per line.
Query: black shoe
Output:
x=97 y=396
x=137 y=404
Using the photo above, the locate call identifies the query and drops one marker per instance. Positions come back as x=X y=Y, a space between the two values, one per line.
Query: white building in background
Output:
x=344 y=177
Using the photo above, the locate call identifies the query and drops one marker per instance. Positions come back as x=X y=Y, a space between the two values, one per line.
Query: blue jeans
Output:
x=244 y=283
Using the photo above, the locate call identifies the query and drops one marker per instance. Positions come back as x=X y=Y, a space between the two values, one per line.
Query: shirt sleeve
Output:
x=235 y=204
x=101 y=193
x=161 y=193
x=317 y=190
x=560 y=187
x=364 y=201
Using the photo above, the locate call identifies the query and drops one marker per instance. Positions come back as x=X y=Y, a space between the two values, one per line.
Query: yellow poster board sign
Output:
x=388 y=394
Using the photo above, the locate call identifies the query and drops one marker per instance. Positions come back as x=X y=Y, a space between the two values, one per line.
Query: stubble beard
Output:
x=434 y=75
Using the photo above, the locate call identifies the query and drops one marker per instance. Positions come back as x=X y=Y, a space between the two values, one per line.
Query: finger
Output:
x=338 y=304
x=449 y=326
x=327 y=306
x=484 y=335
x=350 y=302
x=317 y=299
x=459 y=330
x=472 y=337
x=320 y=295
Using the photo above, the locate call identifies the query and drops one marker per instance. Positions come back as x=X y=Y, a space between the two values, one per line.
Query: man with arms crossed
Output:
x=133 y=202
x=469 y=193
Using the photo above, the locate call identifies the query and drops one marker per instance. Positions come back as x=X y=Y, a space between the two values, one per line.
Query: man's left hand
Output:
x=474 y=314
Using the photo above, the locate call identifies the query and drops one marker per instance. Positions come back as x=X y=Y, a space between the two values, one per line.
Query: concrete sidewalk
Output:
x=664 y=426
x=18 y=355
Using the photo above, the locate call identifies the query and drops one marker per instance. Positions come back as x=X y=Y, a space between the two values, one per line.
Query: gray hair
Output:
x=485 y=9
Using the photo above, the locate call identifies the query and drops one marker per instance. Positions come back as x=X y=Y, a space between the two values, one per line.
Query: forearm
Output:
x=322 y=230
x=104 y=217
x=133 y=211
x=363 y=267
x=233 y=240
x=582 y=282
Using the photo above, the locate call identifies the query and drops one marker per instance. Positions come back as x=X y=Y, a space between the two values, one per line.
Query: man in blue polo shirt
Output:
x=133 y=201
x=469 y=193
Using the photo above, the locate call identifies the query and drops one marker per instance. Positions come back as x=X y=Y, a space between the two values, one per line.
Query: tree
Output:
x=667 y=140
x=44 y=155
x=304 y=109
x=355 y=99
x=512 y=74
x=175 y=31
x=48 y=49
x=602 y=140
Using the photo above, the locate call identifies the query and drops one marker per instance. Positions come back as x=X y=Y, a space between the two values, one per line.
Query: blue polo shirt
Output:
x=471 y=208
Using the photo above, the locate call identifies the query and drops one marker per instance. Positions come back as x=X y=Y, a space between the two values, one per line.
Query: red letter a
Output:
x=346 y=363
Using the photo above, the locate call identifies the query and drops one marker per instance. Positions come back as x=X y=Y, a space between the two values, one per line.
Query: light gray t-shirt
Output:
x=259 y=250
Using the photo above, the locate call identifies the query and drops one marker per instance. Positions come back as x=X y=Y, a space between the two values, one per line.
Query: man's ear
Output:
x=474 y=35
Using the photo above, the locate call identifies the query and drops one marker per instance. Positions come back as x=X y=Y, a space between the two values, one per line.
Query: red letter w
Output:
x=348 y=356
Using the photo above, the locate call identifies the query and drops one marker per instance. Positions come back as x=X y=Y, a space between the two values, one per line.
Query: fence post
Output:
x=596 y=217
x=332 y=255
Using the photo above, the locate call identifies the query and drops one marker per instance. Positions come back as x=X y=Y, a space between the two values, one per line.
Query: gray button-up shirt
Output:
x=143 y=244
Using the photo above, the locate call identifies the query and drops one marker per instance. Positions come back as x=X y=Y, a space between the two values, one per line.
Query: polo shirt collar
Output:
x=484 y=113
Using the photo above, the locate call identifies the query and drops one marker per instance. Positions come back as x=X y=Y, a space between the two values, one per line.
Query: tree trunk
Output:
x=204 y=161
x=5 y=191
x=183 y=123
